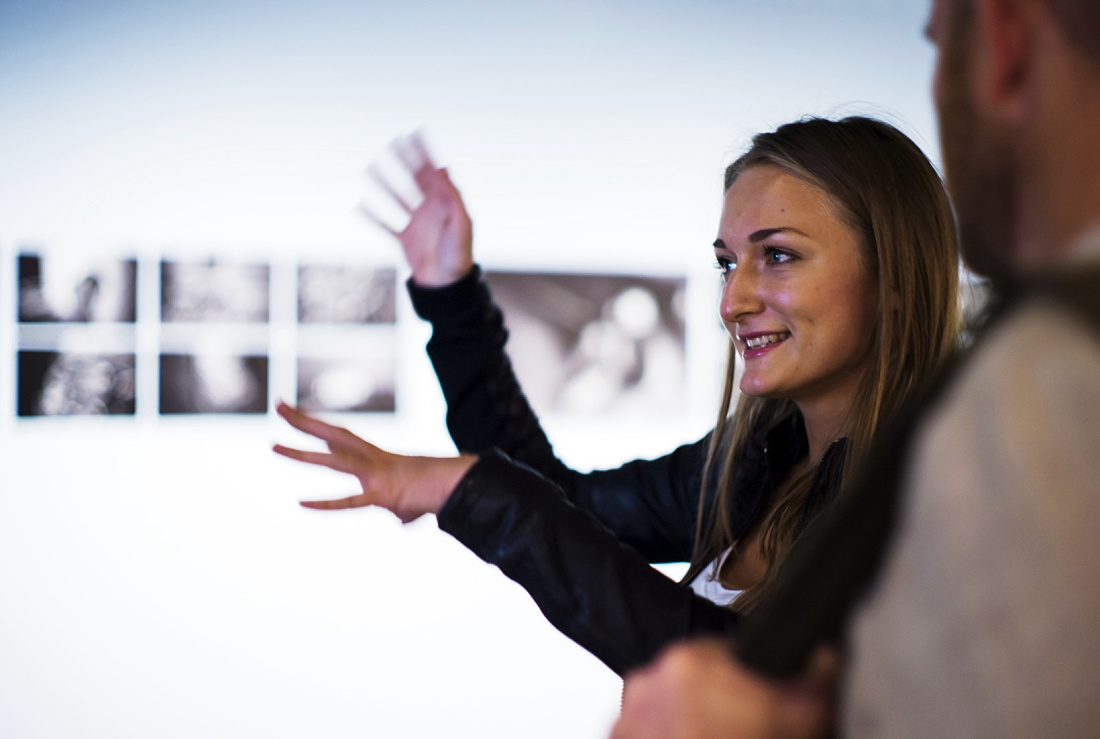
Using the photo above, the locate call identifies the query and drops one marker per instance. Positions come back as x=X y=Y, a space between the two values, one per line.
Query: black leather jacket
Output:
x=581 y=543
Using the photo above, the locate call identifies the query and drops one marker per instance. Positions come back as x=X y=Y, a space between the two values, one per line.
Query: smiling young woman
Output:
x=798 y=298
x=853 y=269
x=839 y=260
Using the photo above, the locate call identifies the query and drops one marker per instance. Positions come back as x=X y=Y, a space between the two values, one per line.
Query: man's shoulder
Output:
x=1024 y=411
x=1040 y=357
x=1042 y=335
x=1000 y=511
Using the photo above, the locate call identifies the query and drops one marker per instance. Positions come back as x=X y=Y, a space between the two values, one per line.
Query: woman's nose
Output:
x=740 y=295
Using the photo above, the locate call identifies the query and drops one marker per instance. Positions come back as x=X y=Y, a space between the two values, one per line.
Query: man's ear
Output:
x=1007 y=35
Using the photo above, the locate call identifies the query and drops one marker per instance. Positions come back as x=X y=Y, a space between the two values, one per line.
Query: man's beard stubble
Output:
x=978 y=163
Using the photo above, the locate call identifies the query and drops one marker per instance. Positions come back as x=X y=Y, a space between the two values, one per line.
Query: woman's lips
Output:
x=759 y=344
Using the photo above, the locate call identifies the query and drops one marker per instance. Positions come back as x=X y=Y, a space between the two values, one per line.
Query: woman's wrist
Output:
x=444 y=475
x=457 y=303
x=435 y=276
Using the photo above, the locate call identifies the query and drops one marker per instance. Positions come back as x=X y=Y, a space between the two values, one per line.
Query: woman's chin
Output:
x=758 y=390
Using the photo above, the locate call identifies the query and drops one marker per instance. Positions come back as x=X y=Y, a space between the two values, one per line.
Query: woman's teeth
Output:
x=758 y=341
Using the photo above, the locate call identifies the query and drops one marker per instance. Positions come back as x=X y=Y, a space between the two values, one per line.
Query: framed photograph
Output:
x=347 y=368
x=595 y=343
x=55 y=383
x=68 y=289
x=214 y=292
x=355 y=384
x=335 y=294
x=214 y=382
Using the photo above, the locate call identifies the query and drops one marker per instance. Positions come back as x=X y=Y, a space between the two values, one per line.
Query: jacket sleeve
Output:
x=588 y=584
x=652 y=505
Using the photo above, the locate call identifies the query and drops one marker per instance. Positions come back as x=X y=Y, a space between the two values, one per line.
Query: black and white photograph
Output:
x=54 y=383
x=69 y=289
x=213 y=291
x=595 y=343
x=361 y=384
x=213 y=382
x=344 y=294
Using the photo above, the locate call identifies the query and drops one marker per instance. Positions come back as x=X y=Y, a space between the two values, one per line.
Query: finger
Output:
x=370 y=216
x=825 y=661
x=414 y=155
x=308 y=424
x=376 y=175
x=633 y=719
x=823 y=671
x=338 y=438
x=321 y=459
x=416 y=142
x=446 y=186
x=336 y=458
x=352 y=501
x=627 y=728
x=407 y=154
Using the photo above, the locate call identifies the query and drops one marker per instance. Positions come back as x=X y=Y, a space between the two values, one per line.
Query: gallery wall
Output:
x=181 y=245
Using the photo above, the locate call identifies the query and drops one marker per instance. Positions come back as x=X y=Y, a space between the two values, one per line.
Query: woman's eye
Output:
x=777 y=256
x=723 y=265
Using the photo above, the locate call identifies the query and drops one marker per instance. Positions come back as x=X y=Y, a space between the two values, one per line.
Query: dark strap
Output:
x=837 y=560
x=1079 y=292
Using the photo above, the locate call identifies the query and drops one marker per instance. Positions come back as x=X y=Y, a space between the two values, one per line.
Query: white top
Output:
x=706 y=584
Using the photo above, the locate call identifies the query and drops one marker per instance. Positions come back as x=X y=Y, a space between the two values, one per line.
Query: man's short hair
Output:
x=1080 y=21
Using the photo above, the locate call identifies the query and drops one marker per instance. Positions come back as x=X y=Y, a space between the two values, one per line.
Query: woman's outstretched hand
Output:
x=409 y=487
x=438 y=239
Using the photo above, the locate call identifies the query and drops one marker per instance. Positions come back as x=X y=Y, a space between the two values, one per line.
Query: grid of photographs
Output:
x=76 y=339
x=214 y=343
x=347 y=342
x=77 y=350
x=581 y=344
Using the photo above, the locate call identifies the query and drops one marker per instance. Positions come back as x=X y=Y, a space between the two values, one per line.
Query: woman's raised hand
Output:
x=409 y=487
x=438 y=239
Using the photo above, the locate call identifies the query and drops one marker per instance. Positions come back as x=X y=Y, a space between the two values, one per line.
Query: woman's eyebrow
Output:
x=757 y=236
x=762 y=234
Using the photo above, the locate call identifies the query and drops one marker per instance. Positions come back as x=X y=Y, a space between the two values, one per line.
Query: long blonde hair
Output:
x=889 y=194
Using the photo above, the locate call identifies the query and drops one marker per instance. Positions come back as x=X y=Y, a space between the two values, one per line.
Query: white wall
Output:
x=157 y=577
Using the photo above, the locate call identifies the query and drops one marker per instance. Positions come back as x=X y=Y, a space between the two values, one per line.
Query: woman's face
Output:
x=796 y=298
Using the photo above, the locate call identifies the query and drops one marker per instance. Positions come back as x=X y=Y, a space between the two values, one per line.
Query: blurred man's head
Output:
x=977 y=160
x=1008 y=92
